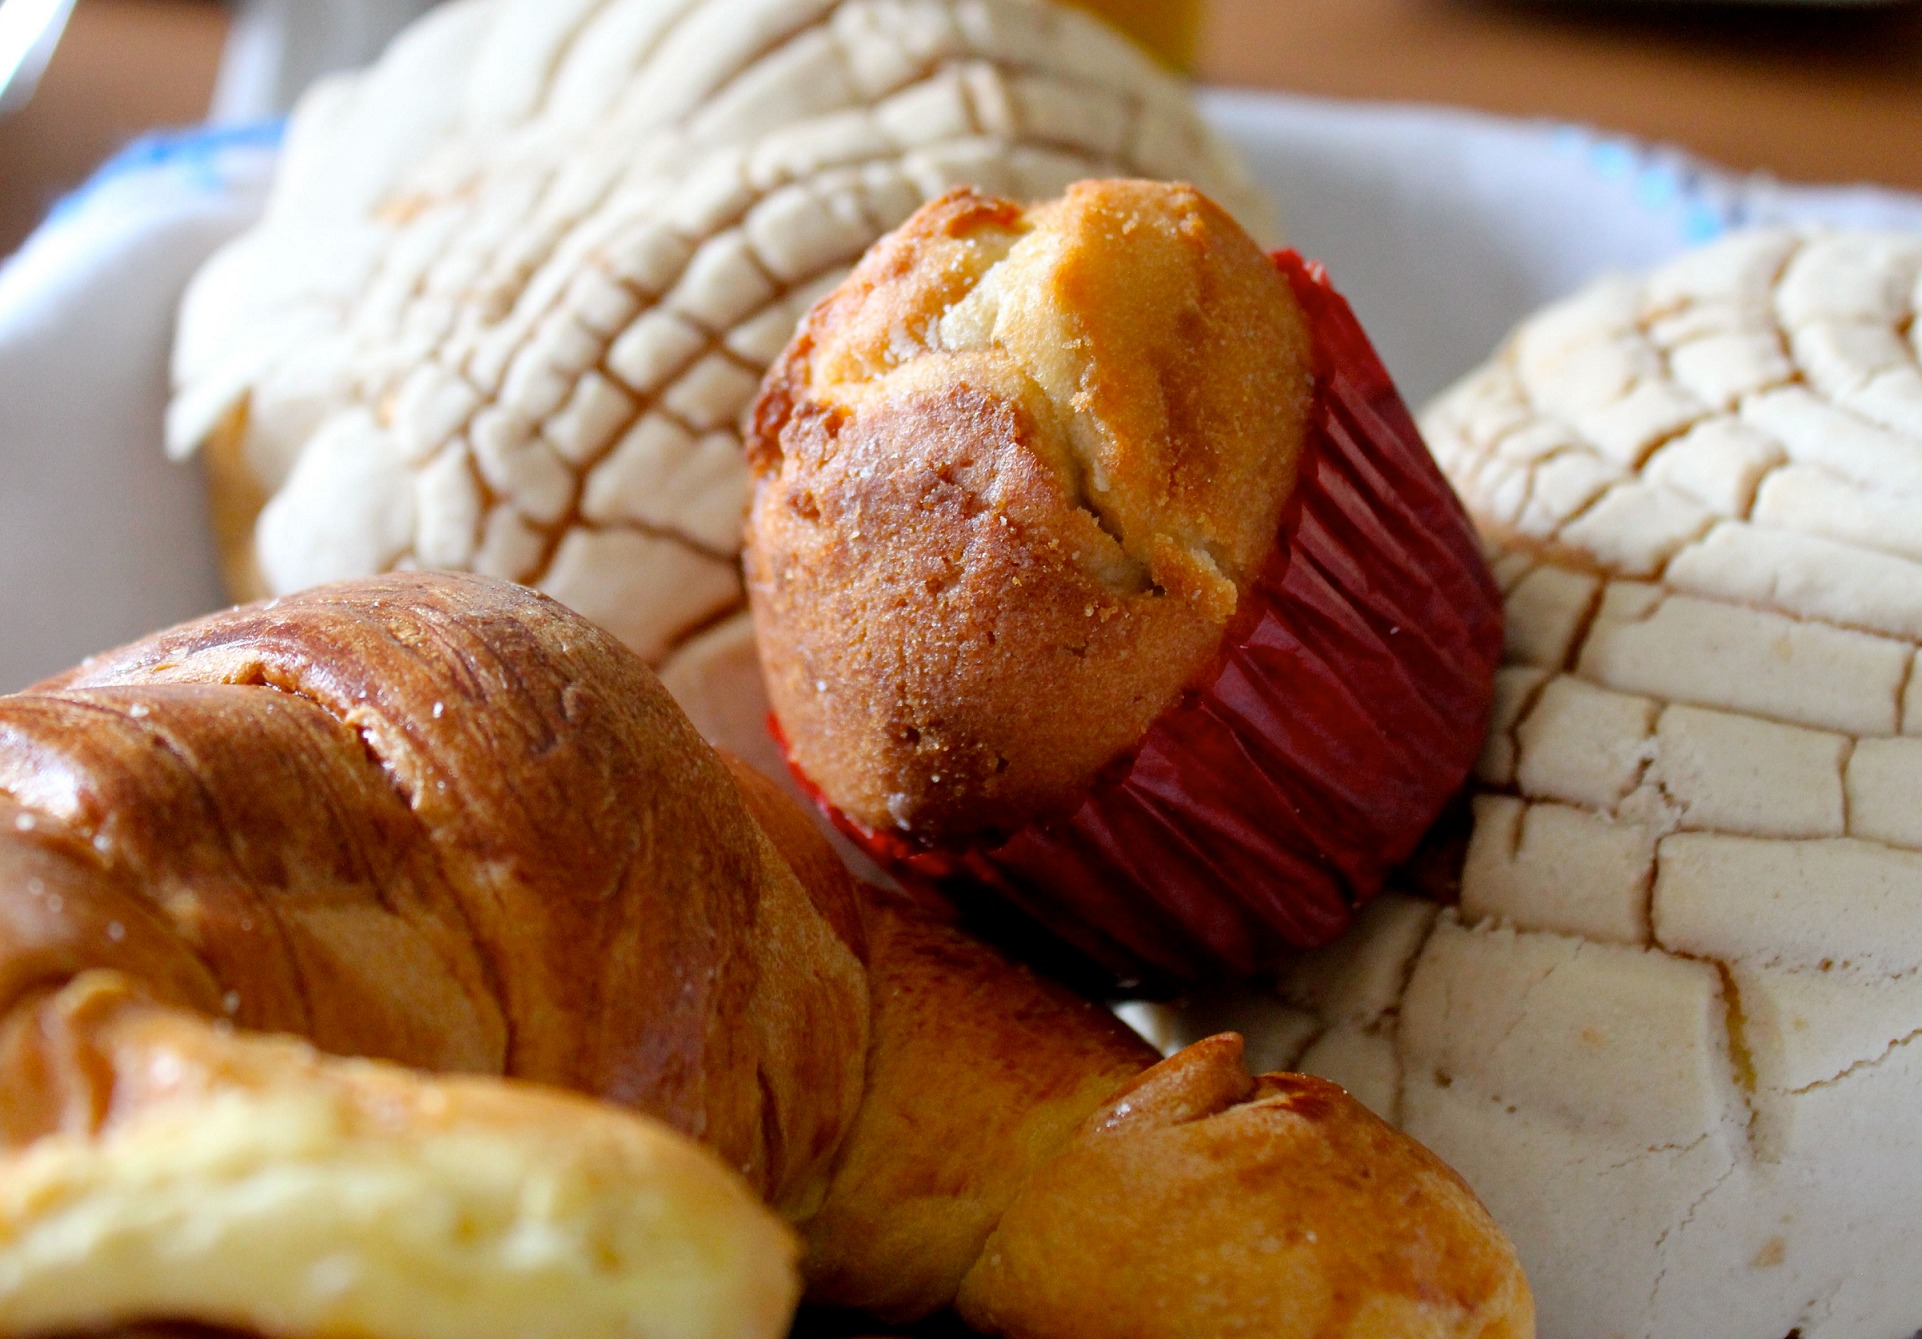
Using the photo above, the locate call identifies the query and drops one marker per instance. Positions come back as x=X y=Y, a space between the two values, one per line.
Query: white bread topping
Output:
x=1667 y=1033
x=519 y=281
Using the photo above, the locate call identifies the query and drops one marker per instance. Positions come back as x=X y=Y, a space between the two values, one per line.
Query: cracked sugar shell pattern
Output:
x=520 y=280
x=1669 y=1033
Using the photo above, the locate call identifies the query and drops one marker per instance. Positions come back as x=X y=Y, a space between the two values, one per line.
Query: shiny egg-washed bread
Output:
x=444 y=823
x=385 y=821
x=518 y=282
x=1667 y=1034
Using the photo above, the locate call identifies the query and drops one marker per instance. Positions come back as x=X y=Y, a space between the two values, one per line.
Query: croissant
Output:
x=441 y=824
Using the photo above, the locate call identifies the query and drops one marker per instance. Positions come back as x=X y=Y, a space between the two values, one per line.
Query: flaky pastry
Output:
x=256 y=1184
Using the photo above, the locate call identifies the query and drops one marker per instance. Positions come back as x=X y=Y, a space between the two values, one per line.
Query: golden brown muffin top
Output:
x=1013 y=478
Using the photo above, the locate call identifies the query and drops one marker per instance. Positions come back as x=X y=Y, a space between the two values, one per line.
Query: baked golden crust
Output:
x=249 y=1181
x=1019 y=1147
x=443 y=821
x=978 y=1071
x=978 y=1074
x=1200 y=1201
x=439 y=821
x=1011 y=481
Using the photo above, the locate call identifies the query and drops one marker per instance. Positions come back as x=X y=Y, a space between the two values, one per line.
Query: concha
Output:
x=518 y=282
x=1668 y=1032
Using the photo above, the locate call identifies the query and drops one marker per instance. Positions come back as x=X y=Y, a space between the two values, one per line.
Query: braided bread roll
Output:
x=441 y=822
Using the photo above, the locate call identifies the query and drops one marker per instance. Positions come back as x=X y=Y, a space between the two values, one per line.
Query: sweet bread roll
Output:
x=201 y=1172
x=1019 y=1152
x=518 y=282
x=1667 y=1033
x=391 y=817
x=443 y=824
x=1095 y=564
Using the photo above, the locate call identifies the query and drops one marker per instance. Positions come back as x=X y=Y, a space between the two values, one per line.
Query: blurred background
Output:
x=1815 y=92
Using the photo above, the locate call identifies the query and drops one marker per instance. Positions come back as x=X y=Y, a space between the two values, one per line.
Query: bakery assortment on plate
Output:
x=518 y=282
x=1095 y=564
x=393 y=957
x=442 y=822
x=1668 y=1032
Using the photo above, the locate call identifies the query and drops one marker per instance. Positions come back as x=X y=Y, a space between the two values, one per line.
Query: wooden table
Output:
x=124 y=66
x=1809 y=95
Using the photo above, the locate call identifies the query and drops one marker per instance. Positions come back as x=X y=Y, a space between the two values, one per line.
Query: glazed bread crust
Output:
x=390 y=818
x=413 y=821
x=1012 y=479
x=1352 y=1230
x=1019 y=1151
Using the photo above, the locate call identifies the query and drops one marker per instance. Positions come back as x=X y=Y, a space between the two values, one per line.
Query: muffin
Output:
x=1095 y=565
x=1668 y=1031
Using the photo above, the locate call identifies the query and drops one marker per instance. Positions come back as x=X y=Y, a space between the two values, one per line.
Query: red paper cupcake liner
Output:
x=1348 y=705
